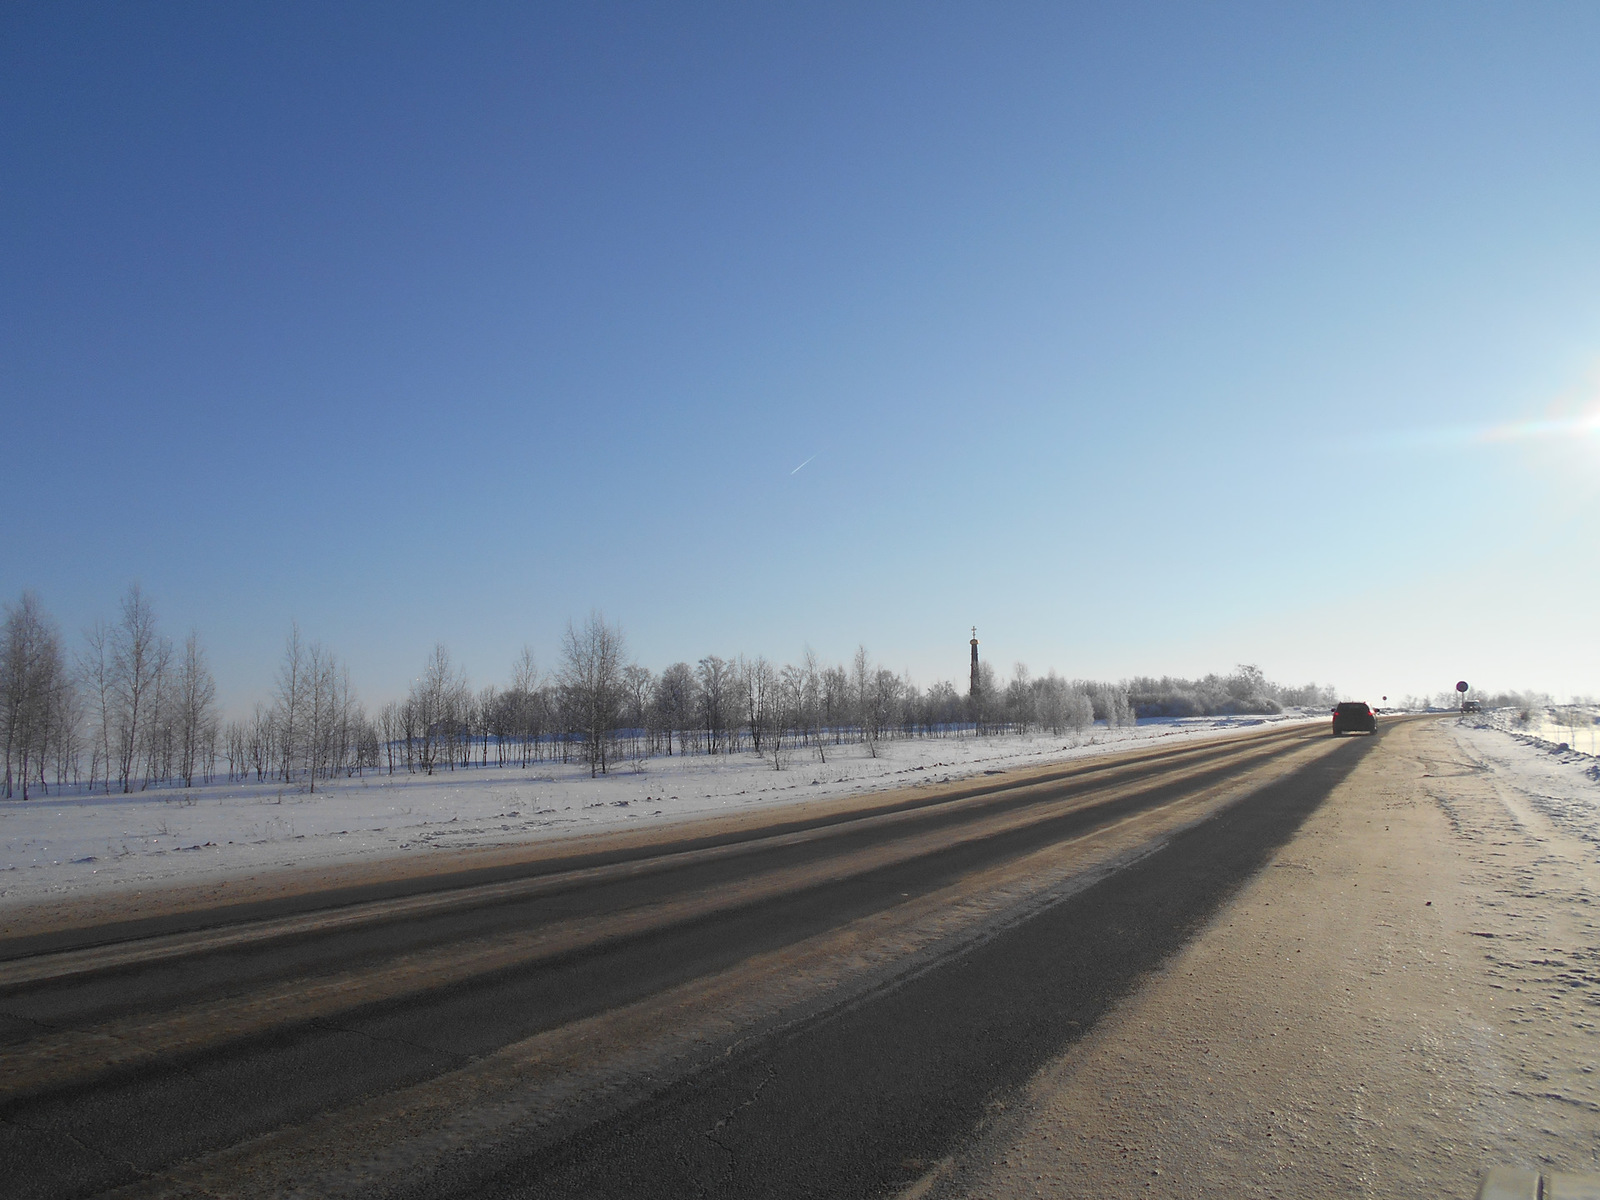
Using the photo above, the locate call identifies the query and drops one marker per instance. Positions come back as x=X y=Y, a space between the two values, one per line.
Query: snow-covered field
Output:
x=1576 y=726
x=80 y=844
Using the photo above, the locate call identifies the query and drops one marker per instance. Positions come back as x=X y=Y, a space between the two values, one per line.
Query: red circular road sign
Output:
x=1462 y=686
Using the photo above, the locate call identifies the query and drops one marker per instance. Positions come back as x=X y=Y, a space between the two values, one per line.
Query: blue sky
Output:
x=1147 y=338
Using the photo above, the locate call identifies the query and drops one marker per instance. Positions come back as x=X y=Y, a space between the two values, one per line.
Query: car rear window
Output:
x=1350 y=707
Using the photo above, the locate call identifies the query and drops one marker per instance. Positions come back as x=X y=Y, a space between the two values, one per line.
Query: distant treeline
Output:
x=1525 y=702
x=1246 y=691
x=128 y=709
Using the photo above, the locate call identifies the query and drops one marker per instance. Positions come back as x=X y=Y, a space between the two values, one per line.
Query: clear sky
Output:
x=1147 y=338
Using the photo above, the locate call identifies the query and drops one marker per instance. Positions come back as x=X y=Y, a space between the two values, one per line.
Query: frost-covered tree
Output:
x=1079 y=711
x=1119 y=708
x=675 y=703
x=942 y=707
x=1050 y=703
x=1019 y=698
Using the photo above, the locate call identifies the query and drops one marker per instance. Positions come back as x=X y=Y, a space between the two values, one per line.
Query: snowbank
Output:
x=1561 y=780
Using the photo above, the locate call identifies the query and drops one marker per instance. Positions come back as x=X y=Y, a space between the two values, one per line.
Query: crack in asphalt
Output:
x=37 y=1022
x=67 y=1135
x=723 y=1122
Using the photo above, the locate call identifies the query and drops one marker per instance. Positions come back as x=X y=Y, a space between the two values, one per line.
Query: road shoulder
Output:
x=1405 y=996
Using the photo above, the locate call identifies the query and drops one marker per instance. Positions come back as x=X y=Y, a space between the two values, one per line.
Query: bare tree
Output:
x=796 y=710
x=525 y=707
x=638 y=685
x=715 y=694
x=289 y=701
x=315 y=723
x=95 y=672
x=369 y=750
x=320 y=703
x=488 y=708
x=196 y=709
x=757 y=683
x=434 y=709
x=463 y=720
x=140 y=657
x=66 y=728
x=389 y=731
x=263 y=741
x=908 y=704
x=860 y=685
x=592 y=683
x=32 y=677
x=356 y=742
x=836 y=700
x=810 y=701
x=861 y=697
x=525 y=672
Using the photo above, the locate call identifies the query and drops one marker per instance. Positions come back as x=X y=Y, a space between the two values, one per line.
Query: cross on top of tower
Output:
x=974 y=633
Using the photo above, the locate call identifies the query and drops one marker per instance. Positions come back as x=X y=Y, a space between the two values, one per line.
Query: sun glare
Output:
x=1587 y=425
x=1572 y=418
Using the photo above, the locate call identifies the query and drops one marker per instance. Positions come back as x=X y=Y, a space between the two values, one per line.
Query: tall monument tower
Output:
x=973 y=692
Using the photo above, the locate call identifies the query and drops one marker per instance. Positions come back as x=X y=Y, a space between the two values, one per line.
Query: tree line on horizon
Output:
x=129 y=710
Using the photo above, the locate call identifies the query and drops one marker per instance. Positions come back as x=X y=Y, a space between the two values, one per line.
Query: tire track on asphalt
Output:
x=599 y=969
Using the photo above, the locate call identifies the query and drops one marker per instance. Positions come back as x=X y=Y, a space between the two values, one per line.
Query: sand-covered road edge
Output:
x=1406 y=995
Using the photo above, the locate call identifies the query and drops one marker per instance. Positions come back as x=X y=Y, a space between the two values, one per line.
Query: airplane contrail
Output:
x=796 y=471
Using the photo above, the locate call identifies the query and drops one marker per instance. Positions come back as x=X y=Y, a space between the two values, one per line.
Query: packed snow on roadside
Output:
x=59 y=845
x=1561 y=778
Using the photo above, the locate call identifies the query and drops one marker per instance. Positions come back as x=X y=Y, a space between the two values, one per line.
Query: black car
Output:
x=1353 y=716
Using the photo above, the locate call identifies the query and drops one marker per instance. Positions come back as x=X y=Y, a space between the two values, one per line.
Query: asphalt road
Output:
x=126 y=1052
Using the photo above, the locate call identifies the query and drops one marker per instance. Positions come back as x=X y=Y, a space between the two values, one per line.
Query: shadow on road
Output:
x=855 y=1101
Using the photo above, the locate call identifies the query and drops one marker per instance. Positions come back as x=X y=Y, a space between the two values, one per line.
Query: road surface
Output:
x=823 y=1004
